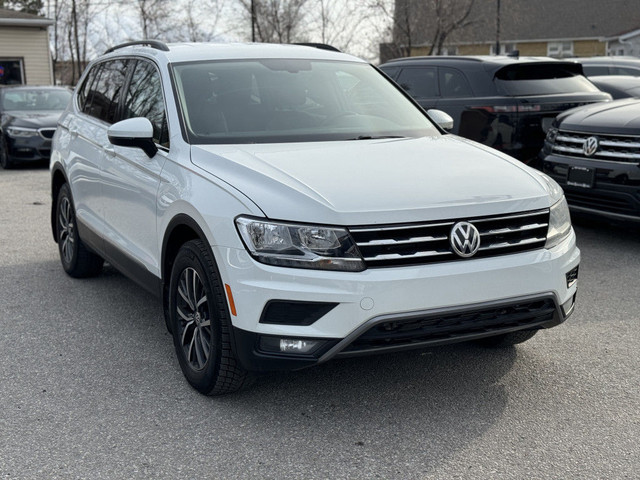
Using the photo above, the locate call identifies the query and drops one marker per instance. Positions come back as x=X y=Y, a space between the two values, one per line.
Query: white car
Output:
x=291 y=205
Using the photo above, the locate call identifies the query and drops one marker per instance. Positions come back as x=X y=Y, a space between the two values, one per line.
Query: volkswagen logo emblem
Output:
x=464 y=239
x=590 y=146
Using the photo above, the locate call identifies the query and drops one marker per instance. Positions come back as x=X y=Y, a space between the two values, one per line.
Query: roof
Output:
x=14 y=18
x=188 y=52
x=527 y=20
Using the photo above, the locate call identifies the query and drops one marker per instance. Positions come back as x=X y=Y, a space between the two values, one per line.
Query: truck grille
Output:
x=617 y=148
x=422 y=243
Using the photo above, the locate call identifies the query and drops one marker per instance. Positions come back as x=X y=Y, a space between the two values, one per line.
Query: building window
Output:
x=560 y=49
x=505 y=48
x=11 y=71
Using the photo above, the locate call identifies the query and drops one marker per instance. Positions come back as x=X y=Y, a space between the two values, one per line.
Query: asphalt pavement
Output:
x=90 y=386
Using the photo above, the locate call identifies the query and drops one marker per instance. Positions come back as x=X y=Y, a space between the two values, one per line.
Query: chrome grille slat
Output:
x=397 y=256
x=613 y=148
x=424 y=243
x=531 y=226
x=513 y=244
x=400 y=227
x=400 y=242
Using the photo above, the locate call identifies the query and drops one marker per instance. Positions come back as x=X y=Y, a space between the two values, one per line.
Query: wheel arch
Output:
x=181 y=229
x=58 y=178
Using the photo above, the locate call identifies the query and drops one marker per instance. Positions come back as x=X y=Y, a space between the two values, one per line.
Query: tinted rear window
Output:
x=545 y=79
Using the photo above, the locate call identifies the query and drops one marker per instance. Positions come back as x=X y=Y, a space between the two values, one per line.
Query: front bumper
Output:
x=615 y=193
x=377 y=295
x=28 y=149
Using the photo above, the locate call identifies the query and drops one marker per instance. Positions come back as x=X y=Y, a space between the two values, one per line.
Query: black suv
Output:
x=504 y=102
x=612 y=65
x=593 y=152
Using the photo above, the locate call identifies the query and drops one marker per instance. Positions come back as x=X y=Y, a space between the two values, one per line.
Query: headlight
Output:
x=552 y=133
x=22 y=132
x=301 y=246
x=559 y=223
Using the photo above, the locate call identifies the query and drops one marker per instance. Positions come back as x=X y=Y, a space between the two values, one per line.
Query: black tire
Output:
x=507 y=339
x=201 y=324
x=76 y=259
x=4 y=154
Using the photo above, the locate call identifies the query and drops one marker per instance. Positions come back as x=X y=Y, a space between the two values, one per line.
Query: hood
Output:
x=35 y=119
x=618 y=117
x=369 y=182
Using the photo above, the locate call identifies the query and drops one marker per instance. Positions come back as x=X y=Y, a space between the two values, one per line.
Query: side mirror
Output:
x=442 y=119
x=133 y=132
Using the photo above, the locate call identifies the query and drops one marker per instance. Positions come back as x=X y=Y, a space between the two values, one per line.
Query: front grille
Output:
x=446 y=326
x=422 y=243
x=617 y=148
x=47 y=132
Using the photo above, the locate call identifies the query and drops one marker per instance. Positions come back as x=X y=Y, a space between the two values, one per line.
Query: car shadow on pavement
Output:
x=433 y=402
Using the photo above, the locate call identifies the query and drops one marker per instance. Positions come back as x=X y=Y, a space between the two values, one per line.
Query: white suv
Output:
x=291 y=205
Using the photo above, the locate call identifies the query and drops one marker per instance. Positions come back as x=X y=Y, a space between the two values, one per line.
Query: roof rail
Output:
x=157 y=44
x=321 y=46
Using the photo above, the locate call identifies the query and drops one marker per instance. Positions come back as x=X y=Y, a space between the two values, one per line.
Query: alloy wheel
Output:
x=66 y=230
x=192 y=309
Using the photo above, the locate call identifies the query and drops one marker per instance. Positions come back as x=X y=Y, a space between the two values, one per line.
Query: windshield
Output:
x=263 y=101
x=35 y=99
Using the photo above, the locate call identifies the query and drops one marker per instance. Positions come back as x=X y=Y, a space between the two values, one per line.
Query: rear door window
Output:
x=541 y=79
x=453 y=83
x=419 y=82
x=103 y=97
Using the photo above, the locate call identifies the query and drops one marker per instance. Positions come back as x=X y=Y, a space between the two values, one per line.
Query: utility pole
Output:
x=253 y=21
x=498 y=27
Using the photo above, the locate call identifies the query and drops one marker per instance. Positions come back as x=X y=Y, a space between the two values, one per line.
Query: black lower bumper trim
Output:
x=390 y=333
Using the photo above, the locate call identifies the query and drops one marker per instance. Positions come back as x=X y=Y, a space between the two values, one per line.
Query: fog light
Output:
x=289 y=345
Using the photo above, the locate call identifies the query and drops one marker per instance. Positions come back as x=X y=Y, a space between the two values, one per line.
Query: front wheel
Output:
x=507 y=339
x=75 y=257
x=201 y=324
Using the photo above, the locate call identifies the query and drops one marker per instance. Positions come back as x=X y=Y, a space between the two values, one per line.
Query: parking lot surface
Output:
x=90 y=386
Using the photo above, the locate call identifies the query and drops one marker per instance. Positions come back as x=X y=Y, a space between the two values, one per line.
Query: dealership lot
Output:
x=90 y=386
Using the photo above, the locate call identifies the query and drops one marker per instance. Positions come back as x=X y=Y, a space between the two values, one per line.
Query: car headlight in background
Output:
x=552 y=133
x=22 y=132
x=302 y=246
x=559 y=223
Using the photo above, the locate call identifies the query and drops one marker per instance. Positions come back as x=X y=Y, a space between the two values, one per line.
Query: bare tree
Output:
x=450 y=15
x=276 y=20
x=155 y=17
x=195 y=11
x=402 y=26
x=428 y=21
x=339 y=22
